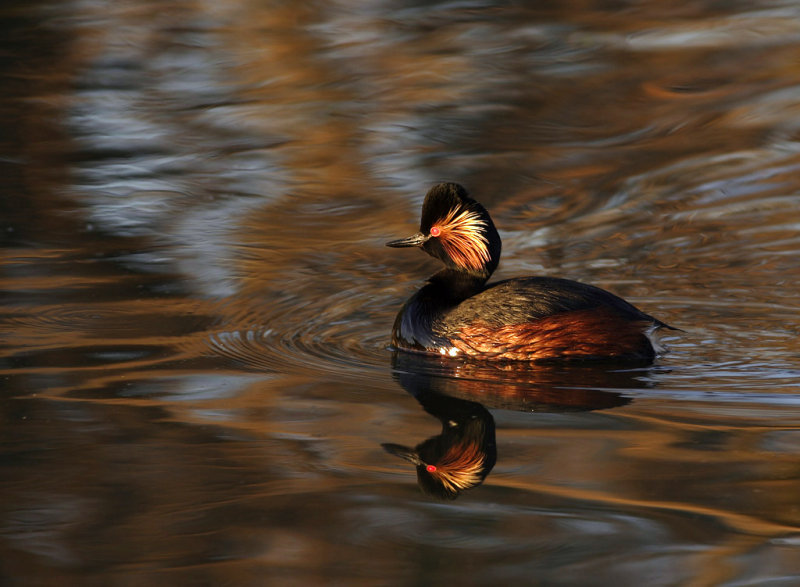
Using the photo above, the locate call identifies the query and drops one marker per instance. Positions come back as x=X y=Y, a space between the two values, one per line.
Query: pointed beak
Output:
x=416 y=240
x=403 y=452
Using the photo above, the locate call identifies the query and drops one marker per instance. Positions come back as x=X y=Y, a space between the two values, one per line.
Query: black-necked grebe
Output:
x=527 y=318
x=461 y=456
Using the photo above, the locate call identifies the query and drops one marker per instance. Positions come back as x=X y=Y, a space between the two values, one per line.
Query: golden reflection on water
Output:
x=197 y=300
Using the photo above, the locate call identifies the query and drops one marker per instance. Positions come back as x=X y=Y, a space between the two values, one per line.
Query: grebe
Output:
x=461 y=456
x=526 y=318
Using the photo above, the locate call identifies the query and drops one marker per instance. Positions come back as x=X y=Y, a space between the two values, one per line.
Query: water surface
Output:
x=196 y=299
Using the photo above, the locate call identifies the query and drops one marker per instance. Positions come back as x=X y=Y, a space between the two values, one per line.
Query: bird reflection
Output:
x=461 y=456
x=458 y=393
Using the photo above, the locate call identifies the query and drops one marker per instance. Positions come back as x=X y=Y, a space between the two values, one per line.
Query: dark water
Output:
x=196 y=299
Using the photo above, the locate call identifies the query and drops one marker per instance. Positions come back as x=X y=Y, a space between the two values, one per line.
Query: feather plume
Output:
x=460 y=468
x=462 y=237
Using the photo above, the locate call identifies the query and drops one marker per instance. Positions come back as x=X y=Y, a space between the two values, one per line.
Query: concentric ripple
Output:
x=315 y=346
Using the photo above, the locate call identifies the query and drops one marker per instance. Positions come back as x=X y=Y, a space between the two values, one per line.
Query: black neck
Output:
x=455 y=286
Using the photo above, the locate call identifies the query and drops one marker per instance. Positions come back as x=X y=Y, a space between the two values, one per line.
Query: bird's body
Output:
x=527 y=318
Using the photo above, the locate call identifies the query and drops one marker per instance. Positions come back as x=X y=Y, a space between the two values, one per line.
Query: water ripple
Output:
x=343 y=349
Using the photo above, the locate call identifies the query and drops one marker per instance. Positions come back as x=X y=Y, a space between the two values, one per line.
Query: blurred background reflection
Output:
x=195 y=384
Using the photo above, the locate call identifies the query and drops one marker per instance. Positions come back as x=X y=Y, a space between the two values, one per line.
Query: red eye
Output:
x=435 y=231
x=431 y=468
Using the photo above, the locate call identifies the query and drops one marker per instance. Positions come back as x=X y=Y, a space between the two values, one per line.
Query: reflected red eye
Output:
x=431 y=468
x=435 y=231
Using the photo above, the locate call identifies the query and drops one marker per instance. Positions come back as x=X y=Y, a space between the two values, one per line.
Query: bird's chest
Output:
x=419 y=326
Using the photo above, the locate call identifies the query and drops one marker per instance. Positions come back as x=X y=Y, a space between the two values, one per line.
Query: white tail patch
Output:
x=653 y=333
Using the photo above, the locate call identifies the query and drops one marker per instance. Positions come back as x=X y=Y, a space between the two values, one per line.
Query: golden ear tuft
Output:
x=461 y=233
x=460 y=467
